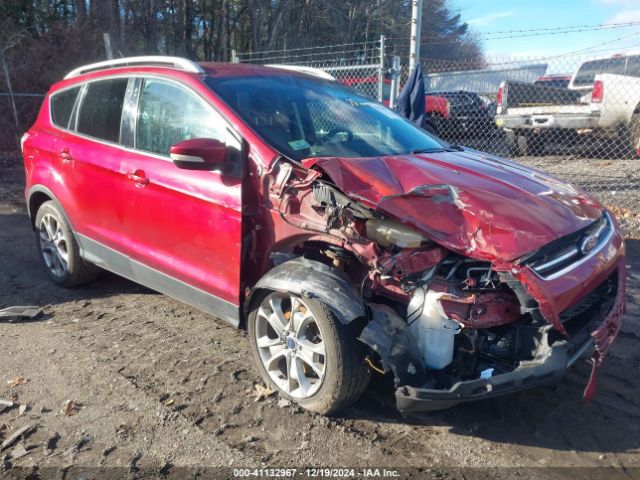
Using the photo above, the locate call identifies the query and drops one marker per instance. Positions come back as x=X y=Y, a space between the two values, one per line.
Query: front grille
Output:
x=563 y=254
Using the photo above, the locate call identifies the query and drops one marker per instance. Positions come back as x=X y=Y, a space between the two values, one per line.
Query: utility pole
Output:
x=381 y=71
x=416 y=27
x=107 y=45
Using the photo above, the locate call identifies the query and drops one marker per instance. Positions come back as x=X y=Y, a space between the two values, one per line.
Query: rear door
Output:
x=184 y=225
x=89 y=162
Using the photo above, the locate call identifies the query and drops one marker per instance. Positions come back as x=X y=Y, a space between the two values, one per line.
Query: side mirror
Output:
x=199 y=154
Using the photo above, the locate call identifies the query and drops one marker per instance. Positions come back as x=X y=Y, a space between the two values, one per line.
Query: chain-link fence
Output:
x=575 y=115
x=358 y=65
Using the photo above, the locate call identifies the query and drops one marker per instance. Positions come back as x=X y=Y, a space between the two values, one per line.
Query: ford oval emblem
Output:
x=588 y=243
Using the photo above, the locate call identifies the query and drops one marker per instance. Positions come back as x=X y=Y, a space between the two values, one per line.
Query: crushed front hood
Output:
x=473 y=203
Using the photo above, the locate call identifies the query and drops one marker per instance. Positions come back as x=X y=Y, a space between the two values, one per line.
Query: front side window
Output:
x=101 y=109
x=304 y=117
x=62 y=106
x=168 y=114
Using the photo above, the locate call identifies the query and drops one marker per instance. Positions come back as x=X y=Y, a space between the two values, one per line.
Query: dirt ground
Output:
x=160 y=390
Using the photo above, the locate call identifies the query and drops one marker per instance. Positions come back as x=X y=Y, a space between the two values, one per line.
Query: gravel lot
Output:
x=157 y=386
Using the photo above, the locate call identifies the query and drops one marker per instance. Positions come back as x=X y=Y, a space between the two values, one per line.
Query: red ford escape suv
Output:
x=346 y=240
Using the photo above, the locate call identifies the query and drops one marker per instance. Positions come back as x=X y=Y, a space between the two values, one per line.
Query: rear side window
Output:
x=101 y=109
x=62 y=106
x=168 y=114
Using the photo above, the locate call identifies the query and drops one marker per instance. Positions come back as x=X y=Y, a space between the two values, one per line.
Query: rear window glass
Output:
x=588 y=71
x=62 y=106
x=553 y=82
x=101 y=109
x=459 y=99
x=633 y=66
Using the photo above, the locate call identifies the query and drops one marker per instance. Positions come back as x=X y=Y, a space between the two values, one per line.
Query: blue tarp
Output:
x=411 y=102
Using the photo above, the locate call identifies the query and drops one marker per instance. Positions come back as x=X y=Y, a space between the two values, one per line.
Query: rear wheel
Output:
x=58 y=248
x=305 y=353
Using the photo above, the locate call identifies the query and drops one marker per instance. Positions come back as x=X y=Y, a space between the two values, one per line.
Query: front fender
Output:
x=315 y=280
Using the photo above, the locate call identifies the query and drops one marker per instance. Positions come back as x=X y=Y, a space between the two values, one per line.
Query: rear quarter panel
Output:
x=621 y=98
x=39 y=152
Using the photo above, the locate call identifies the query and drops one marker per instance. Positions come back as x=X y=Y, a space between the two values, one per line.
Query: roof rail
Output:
x=150 y=60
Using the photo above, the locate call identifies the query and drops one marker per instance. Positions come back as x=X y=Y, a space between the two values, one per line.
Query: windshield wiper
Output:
x=450 y=148
x=456 y=148
x=427 y=150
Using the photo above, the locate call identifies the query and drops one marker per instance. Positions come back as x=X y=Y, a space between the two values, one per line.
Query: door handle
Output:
x=65 y=156
x=138 y=177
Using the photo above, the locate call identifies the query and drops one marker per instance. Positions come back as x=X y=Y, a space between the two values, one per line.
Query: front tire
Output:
x=304 y=352
x=58 y=248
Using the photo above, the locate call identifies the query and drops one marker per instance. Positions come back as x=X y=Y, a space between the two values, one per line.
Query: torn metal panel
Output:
x=470 y=203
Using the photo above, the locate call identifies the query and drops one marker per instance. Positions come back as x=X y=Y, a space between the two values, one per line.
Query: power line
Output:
x=602 y=26
x=513 y=61
x=452 y=41
x=538 y=32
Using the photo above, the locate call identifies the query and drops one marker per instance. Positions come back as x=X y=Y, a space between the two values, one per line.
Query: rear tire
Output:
x=58 y=248
x=309 y=356
x=530 y=144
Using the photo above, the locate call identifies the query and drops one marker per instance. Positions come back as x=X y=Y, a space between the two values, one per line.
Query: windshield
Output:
x=305 y=117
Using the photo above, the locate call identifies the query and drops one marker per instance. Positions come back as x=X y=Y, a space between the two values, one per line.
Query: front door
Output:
x=184 y=225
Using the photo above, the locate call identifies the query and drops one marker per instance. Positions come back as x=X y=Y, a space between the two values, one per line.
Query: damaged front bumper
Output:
x=548 y=366
x=529 y=374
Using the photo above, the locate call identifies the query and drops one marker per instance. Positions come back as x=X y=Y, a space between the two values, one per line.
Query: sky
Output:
x=487 y=16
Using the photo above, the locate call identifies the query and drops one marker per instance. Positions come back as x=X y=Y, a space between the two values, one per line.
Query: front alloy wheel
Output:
x=305 y=352
x=290 y=345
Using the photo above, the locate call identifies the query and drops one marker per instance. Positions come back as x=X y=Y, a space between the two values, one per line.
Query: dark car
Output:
x=470 y=116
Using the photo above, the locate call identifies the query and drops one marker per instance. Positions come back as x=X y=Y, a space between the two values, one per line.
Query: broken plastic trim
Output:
x=312 y=279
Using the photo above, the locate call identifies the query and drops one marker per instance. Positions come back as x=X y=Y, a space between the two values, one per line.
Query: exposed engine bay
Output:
x=438 y=318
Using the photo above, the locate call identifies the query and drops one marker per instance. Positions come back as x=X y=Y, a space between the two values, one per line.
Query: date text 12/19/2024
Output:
x=315 y=473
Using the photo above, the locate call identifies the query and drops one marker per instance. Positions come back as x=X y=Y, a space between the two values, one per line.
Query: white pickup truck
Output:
x=602 y=100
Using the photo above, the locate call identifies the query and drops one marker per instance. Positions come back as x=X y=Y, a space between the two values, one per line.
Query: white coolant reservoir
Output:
x=434 y=332
x=389 y=232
